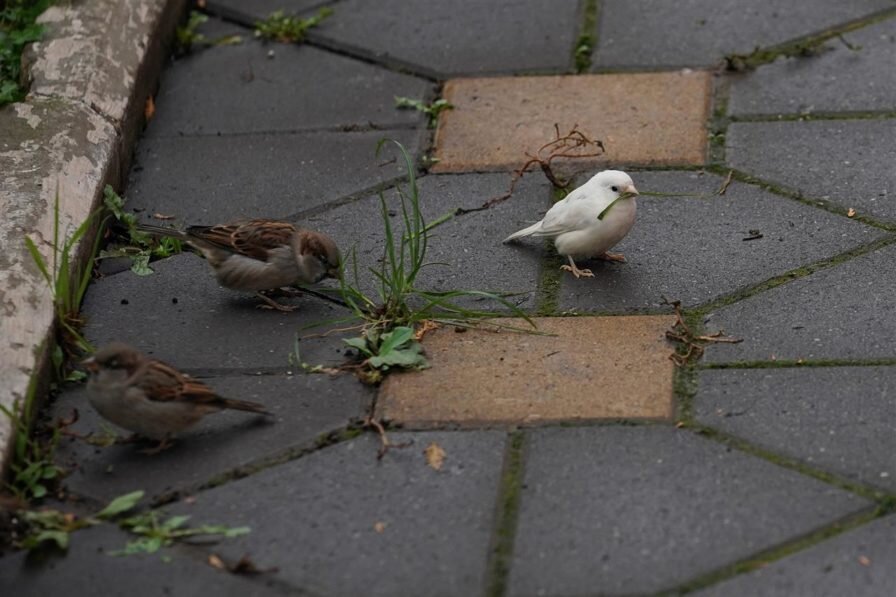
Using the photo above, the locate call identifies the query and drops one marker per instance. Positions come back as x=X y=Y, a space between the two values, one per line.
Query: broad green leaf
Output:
x=140 y=265
x=358 y=343
x=392 y=340
x=121 y=504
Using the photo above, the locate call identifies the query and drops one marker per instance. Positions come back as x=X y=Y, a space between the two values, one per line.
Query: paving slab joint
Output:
x=810 y=116
x=583 y=50
x=788 y=363
x=507 y=513
x=719 y=120
x=777 y=189
x=767 y=556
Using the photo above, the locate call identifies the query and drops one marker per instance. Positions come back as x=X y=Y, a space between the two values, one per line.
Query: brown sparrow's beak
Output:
x=333 y=272
x=90 y=364
x=629 y=191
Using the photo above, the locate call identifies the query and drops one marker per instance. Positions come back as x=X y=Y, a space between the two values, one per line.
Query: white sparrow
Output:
x=148 y=397
x=590 y=220
x=257 y=255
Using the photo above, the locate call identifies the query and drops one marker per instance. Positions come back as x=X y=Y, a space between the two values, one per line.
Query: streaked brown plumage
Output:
x=257 y=255
x=149 y=397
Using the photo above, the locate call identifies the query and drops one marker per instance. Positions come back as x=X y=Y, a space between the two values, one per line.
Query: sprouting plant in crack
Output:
x=431 y=110
x=138 y=246
x=573 y=145
x=391 y=321
x=284 y=28
x=32 y=471
x=189 y=37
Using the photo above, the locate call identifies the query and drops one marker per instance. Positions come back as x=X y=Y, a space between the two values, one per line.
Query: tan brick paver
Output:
x=642 y=118
x=592 y=368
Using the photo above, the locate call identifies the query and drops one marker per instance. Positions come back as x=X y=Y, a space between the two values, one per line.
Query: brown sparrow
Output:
x=148 y=397
x=258 y=255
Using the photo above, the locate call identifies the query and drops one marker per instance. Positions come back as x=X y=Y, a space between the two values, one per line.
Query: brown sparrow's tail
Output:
x=252 y=407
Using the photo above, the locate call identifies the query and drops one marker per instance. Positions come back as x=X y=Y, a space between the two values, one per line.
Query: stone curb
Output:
x=91 y=73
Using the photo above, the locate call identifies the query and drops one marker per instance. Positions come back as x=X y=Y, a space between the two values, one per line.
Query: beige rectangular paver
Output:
x=641 y=118
x=590 y=368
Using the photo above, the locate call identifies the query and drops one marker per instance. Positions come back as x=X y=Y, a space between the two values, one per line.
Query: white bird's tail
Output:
x=524 y=232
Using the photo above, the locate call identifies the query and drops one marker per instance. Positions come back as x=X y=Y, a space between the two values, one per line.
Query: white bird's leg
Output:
x=612 y=257
x=163 y=444
x=272 y=304
x=578 y=273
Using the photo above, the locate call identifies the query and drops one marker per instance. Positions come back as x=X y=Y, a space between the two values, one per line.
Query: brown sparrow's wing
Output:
x=164 y=383
x=252 y=238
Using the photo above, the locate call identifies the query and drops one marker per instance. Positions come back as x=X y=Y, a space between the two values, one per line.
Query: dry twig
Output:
x=568 y=146
x=385 y=443
x=726 y=183
x=694 y=345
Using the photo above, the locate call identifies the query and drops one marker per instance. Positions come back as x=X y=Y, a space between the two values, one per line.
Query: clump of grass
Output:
x=137 y=245
x=388 y=319
x=284 y=28
x=431 y=110
x=32 y=472
x=17 y=29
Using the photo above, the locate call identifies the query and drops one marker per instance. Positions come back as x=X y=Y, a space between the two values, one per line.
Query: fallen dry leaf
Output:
x=150 y=109
x=163 y=217
x=851 y=213
x=435 y=456
x=864 y=560
x=215 y=562
x=379 y=526
x=427 y=326
x=244 y=566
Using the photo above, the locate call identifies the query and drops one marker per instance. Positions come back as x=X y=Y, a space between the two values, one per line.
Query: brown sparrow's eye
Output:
x=614 y=188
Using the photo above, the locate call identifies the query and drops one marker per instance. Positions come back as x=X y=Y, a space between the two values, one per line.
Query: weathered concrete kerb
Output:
x=91 y=74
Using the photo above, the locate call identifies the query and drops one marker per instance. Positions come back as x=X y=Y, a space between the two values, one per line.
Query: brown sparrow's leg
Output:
x=612 y=257
x=272 y=304
x=578 y=273
x=163 y=445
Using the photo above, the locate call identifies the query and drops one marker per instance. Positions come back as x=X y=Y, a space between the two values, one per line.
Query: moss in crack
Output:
x=506 y=517
x=718 y=122
x=778 y=552
x=809 y=116
x=794 y=274
x=549 y=283
x=587 y=37
x=777 y=189
x=789 y=363
x=873 y=494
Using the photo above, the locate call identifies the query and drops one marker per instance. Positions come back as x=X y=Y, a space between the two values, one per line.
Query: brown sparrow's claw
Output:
x=274 y=305
x=612 y=257
x=162 y=445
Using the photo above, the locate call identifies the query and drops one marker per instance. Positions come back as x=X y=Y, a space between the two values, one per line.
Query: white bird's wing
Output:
x=575 y=212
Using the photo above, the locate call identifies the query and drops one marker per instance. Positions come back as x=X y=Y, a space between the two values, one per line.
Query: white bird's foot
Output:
x=612 y=257
x=578 y=273
x=274 y=305
x=162 y=446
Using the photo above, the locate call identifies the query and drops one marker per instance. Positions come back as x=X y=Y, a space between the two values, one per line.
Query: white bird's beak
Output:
x=629 y=191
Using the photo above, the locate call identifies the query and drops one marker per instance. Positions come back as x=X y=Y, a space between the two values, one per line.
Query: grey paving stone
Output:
x=843 y=312
x=206 y=180
x=208 y=327
x=702 y=32
x=304 y=408
x=463 y=37
x=241 y=89
x=88 y=569
x=316 y=518
x=839 y=419
x=831 y=569
x=250 y=11
x=469 y=245
x=840 y=79
x=612 y=510
x=848 y=162
x=691 y=247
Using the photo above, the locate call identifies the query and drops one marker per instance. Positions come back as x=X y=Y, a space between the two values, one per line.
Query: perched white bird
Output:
x=590 y=220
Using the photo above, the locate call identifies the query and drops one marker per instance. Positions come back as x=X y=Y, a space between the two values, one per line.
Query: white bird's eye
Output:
x=614 y=188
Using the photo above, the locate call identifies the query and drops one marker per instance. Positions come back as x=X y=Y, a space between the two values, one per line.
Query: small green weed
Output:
x=188 y=36
x=287 y=29
x=139 y=246
x=17 y=29
x=155 y=533
x=32 y=472
x=388 y=319
x=432 y=110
